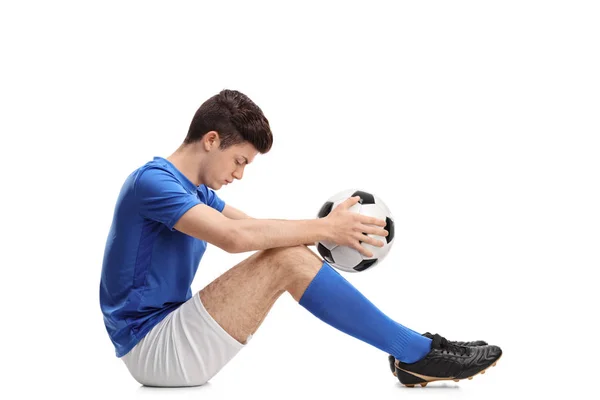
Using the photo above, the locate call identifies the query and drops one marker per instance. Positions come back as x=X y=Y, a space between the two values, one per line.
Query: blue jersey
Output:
x=148 y=266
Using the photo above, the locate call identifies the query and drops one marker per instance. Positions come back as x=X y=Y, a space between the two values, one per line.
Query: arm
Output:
x=161 y=197
x=248 y=234
x=233 y=213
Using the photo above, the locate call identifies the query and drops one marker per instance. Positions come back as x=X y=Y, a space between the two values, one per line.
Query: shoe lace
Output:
x=443 y=344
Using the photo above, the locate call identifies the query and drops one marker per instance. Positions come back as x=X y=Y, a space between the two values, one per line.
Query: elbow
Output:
x=236 y=242
x=232 y=247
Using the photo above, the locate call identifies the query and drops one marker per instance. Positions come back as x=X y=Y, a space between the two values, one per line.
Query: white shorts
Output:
x=187 y=348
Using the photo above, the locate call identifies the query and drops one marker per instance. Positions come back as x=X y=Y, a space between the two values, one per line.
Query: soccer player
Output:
x=166 y=214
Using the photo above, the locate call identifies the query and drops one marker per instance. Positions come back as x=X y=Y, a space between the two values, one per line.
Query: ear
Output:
x=211 y=140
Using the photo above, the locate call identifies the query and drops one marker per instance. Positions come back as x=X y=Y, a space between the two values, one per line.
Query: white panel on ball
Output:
x=346 y=258
x=383 y=206
x=343 y=195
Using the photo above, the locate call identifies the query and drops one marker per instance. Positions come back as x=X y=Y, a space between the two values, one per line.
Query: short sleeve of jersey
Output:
x=162 y=198
x=212 y=199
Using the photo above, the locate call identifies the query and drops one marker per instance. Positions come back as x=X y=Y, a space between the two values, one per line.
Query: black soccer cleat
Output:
x=447 y=361
x=474 y=343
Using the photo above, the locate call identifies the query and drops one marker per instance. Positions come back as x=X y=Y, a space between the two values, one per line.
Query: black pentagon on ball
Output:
x=325 y=253
x=364 y=264
x=389 y=226
x=365 y=198
x=325 y=209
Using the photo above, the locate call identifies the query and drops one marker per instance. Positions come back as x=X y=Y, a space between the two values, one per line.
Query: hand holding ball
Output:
x=347 y=257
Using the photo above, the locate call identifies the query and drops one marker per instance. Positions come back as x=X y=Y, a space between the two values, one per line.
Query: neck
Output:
x=185 y=159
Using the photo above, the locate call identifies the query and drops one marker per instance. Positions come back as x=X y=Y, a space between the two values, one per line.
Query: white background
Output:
x=476 y=122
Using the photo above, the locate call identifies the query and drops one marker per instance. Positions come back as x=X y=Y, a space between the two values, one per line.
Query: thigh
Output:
x=187 y=348
x=240 y=299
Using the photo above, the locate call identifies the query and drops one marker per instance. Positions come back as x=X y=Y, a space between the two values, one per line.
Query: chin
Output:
x=215 y=186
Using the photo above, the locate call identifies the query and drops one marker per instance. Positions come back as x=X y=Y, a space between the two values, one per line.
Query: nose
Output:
x=238 y=173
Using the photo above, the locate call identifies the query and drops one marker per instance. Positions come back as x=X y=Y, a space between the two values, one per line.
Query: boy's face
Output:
x=224 y=166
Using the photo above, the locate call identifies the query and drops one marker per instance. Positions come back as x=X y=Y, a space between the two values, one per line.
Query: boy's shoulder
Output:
x=156 y=166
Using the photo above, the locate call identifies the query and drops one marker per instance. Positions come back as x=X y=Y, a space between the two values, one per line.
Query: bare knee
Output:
x=294 y=267
x=296 y=256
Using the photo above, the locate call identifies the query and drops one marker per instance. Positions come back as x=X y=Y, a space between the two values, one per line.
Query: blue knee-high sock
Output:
x=331 y=298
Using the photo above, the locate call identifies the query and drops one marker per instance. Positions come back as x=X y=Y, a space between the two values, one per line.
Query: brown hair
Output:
x=235 y=118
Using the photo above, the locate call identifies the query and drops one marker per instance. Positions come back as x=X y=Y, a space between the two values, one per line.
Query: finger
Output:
x=362 y=250
x=372 y=230
x=372 y=221
x=349 y=202
x=372 y=241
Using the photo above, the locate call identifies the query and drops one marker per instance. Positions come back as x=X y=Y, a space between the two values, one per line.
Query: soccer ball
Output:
x=346 y=258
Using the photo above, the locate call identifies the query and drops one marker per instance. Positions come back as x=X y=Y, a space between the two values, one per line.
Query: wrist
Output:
x=323 y=230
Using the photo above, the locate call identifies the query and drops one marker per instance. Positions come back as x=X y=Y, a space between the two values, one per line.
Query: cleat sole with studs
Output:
x=410 y=378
